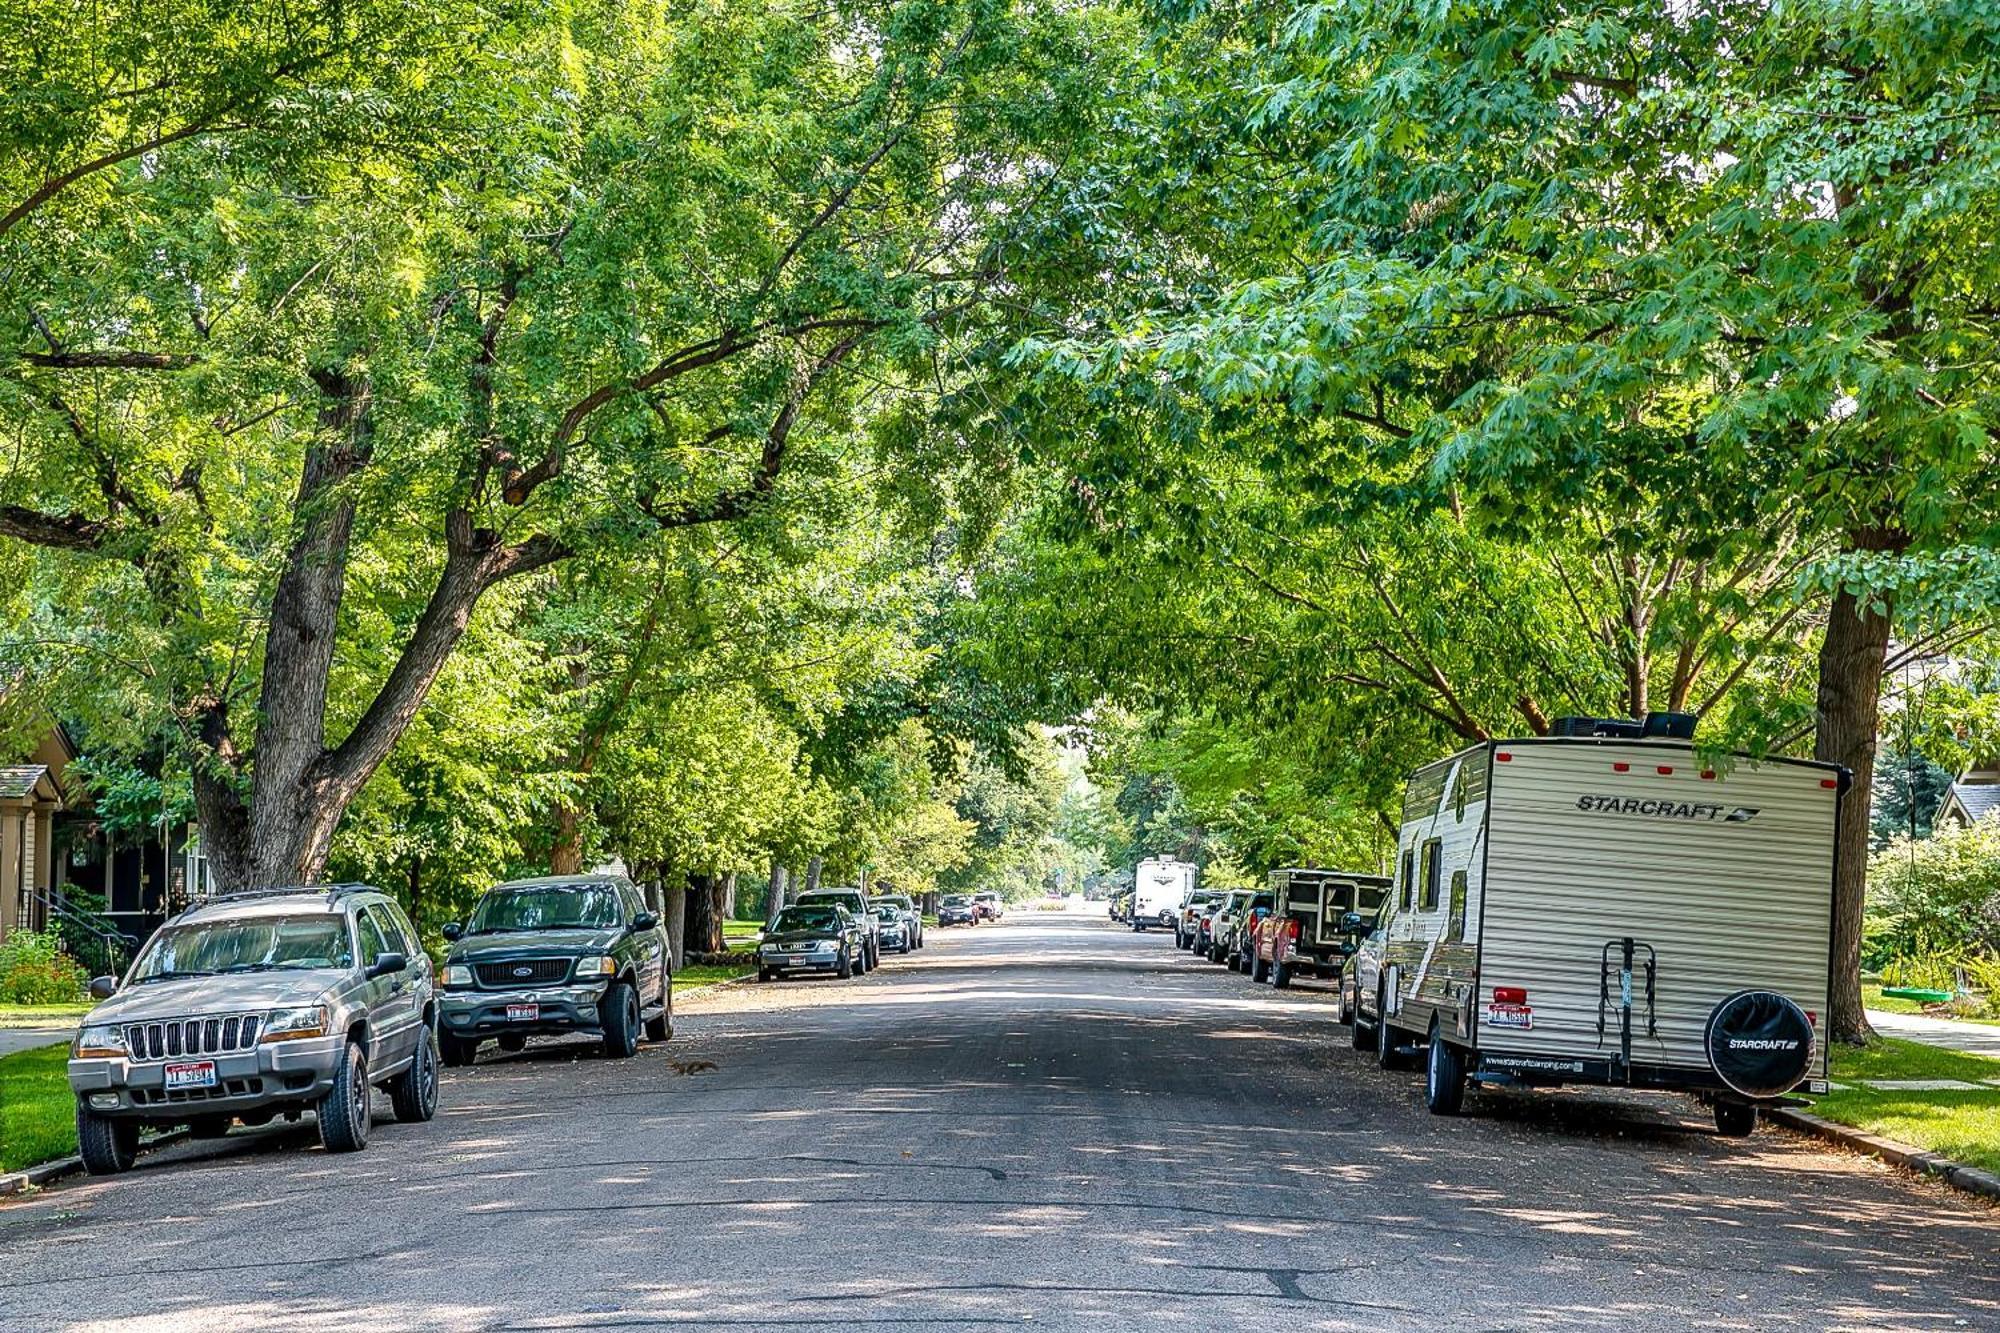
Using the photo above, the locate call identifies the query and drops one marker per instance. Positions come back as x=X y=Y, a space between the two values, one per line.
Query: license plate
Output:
x=523 y=1013
x=194 y=1074
x=1509 y=1016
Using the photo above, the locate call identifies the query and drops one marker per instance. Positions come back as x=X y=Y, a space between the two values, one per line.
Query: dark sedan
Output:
x=957 y=910
x=815 y=937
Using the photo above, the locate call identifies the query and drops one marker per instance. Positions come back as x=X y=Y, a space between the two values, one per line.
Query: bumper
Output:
x=276 y=1073
x=799 y=962
x=483 y=1013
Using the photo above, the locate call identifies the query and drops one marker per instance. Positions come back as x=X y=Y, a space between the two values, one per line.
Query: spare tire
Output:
x=1759 y=1043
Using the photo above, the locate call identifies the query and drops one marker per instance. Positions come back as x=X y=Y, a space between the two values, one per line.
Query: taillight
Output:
x=1510 y=995
x=1292 y=929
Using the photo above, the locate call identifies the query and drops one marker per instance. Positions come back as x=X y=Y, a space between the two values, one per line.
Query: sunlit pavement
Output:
x=1051 y=1122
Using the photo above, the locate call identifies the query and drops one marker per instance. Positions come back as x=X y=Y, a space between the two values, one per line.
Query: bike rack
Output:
x=1628 y=950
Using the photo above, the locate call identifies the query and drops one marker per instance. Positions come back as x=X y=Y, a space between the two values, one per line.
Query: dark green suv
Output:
x=543 y=957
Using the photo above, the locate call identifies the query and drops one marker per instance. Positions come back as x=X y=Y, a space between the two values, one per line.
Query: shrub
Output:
x=35 y=970
x=1936 y=896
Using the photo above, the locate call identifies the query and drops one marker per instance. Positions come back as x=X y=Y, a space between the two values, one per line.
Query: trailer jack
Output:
x=1628 y=949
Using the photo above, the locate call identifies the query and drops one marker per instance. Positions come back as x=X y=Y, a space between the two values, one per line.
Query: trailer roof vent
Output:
x=1615 y=727
x=1670 y=726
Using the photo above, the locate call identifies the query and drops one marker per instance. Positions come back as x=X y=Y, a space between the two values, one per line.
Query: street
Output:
x=1051 y=1121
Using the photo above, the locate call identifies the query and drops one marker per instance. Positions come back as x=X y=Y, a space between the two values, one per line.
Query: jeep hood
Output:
x=192 y=997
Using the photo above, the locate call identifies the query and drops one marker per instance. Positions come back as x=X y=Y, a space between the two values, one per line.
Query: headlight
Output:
x=824 y=946
x=100 y=1041
x=457 y=974
x=307 y=1020
x=596 y=965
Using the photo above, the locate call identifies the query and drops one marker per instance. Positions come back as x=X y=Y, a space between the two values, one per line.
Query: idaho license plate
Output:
x=193 y=1074
x=1509 y=1016
x=523 y=1013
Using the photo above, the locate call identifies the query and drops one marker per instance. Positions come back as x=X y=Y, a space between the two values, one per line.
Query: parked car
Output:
x=1121 y=905
x=1363 y=973
x=1224 y=945
x=811 y=937
x=989 y=904
x=956 y=909
x=893 y=930
x=913 y=917
x=256 y=1005
x=1243 y=957
x=552 y=956
x=1187 y=922
x=855 y=902
x=1303 y=933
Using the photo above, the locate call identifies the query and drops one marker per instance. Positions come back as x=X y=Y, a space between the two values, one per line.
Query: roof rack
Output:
x=329 y=891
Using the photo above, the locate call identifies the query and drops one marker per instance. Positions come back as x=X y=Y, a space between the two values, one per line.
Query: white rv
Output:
x=1158 y=888
x=1609 y=907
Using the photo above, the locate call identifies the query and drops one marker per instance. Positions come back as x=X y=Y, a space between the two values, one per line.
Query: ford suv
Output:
x=560 y=954
x=254 y=1005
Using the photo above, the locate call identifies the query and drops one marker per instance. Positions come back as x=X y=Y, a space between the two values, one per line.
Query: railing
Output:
x=87 y=936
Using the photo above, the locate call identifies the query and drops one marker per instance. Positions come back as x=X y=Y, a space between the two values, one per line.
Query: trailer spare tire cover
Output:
x=1760 y=1043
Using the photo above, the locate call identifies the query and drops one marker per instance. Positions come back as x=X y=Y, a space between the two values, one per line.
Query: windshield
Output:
x=546 y=907
x=254 y=944
x=805 y=918
x=956 y=900
x=828 y=897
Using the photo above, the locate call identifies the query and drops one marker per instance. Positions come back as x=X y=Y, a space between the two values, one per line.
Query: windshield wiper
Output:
x=172 y=976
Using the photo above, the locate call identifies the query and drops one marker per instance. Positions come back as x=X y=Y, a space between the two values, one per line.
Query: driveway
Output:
x=1048 y=1123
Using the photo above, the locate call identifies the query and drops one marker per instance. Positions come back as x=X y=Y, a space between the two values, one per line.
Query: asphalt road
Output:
x=1051 y=1123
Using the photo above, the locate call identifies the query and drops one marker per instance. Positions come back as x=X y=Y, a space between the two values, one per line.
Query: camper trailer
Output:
x=1606 y=905
x=1158 y=887
x=1305 y=932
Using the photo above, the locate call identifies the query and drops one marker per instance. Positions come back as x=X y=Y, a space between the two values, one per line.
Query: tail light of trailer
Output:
x=1510 y=995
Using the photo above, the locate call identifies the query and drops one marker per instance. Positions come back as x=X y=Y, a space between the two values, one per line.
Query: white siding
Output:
x=1726 y=905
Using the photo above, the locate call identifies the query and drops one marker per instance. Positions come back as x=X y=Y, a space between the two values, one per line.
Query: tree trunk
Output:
x=1851 y=659
x=813 y=867
x=704 y=927
x=774 y=901
x=673 y=910
x=566 y=852
x=726 y=909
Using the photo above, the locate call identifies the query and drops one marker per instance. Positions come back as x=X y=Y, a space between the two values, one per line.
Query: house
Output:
x=32 y=794
x=1973 y=797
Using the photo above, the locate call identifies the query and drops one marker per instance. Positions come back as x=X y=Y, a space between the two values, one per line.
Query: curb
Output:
x=1959 y=1176
x=50 y=1172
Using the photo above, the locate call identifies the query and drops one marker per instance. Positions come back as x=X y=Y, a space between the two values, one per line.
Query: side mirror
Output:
x=103 y=988
x=387 y=963
x=645 y=921
x=451 y=930
x=1353 y=923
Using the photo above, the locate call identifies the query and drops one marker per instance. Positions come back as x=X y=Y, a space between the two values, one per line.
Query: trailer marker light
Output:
x=1503 y=757
x=1510 y=995
x=1708 y=775
x=1812 y=1017
x=1666 y=770
x=1828 y=783
x=1621 y=767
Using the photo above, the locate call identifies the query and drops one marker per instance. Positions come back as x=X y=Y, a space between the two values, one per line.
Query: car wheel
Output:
x=345 y=1115
x=1281 y=974
x=662 y=1027
x=414 y=1092
x=513 y=1042
x=619 y=1013
x=107 y=1146
x=458 y=1052
x=845 y=968
x=1388 y=1038
x=1735 y=1119
x=763 y=974
x=208 y=1126
x=905 y=948
x=1258 y=967
x=1444 y=1075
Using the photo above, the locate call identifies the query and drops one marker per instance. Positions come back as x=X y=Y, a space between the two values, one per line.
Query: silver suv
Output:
x=255 y=1005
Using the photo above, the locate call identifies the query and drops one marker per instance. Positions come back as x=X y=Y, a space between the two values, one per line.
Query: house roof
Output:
x=22 y=782
x=1979 y=800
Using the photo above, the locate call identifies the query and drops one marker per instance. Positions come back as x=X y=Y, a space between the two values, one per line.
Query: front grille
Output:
x=234 y=1087
x=193 y=1036
x=521 y=972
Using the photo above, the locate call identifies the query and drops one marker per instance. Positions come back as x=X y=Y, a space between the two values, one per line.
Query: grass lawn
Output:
x=1963 y=1125
x=37 y=1113
x=41 y=1015
x=696 y=975
x=1873 y=997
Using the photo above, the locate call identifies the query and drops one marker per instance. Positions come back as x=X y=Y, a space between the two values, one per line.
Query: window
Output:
x=373 y=946
x=1433 y=873
x=1457 y=931
x=1408 y=896
x=396 y=932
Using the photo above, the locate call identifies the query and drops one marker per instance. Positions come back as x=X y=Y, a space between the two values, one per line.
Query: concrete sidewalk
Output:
x=1972 y=1038
x=26 y=1039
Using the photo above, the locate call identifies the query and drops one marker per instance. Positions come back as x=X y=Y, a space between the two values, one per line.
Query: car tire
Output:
x=661 y=1028
x=1361 y=1034
x=764 y=974
x=1444 y=1075
x=513 y=1042
x=209 y=1126
x=414 y=1092
x=1281 y=975
x=107 y=1146
x=458 y=1052
x=1259 y=969
x=905 y=948
x=618 y=1012
x=345 y=1112
x=845 y=967
x=1735 y=1120
x=1388 y=1038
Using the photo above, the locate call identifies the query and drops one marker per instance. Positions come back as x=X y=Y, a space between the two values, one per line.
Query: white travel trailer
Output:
x=1607 y=906
x=1158 y=887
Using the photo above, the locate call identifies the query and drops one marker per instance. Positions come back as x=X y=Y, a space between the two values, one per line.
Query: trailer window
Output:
x=1433 y=873
x=1457 y=931
x=1408 y=894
